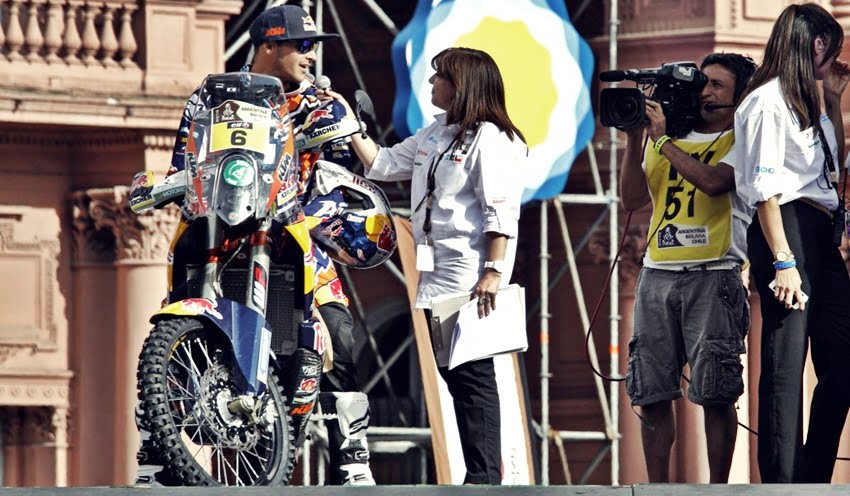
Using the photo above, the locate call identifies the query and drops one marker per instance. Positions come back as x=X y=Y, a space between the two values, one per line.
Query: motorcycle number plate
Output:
x=252 y=136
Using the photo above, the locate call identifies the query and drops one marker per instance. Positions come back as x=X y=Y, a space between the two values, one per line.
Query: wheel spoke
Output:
x=228 y=448
x=250 y=466
x=220 y=467
x=232 y=470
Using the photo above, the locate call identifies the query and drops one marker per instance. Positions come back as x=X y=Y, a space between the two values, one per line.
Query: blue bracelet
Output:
x=784 y=265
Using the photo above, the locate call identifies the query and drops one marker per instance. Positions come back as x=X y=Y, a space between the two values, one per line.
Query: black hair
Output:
x=742 y=67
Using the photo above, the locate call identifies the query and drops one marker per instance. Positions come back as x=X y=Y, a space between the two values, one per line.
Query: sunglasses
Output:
x=305 y=46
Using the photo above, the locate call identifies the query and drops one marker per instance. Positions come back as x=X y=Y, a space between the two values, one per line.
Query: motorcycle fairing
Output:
x=240 y=152
x=248 y=332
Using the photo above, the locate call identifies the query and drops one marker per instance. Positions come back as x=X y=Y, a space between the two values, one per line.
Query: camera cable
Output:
x=607 y=282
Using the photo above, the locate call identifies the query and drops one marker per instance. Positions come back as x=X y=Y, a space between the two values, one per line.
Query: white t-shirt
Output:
x=478 y=190
x=773 y=157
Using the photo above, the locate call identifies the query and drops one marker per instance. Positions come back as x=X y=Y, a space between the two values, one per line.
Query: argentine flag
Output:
x=545 y=64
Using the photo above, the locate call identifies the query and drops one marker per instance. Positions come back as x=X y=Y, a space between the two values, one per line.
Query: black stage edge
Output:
x=635 y=490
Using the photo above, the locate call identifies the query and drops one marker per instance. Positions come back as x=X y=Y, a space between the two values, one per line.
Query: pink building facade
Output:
x=90 y=93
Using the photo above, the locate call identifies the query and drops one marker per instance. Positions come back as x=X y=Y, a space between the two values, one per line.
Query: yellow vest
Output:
x=689 y=225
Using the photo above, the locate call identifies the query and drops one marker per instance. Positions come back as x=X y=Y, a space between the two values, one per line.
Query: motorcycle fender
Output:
x=246 y=329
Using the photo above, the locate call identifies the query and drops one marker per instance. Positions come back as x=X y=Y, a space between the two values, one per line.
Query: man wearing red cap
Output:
x=285 y=40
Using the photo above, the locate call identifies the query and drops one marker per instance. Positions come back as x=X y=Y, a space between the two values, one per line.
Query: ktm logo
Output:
x=275 y=31
x=301 y=409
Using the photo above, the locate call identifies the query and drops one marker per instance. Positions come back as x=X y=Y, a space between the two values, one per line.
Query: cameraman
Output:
x=690 y=303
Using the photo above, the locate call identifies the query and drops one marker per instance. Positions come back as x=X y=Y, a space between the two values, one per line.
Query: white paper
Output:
x=503 y=331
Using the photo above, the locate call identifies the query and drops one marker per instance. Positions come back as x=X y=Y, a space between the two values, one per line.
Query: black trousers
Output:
x=785 y=334
x=476 y=403
x=340 y=323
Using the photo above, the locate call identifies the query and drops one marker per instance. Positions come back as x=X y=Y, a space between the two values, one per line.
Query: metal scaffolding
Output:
x=401 y=439
x=610 y=199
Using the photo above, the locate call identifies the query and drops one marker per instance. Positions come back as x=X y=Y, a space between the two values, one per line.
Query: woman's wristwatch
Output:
x=496 y=265
x=784 y=260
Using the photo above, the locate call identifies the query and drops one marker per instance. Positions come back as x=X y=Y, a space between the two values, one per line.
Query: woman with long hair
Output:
x=786 y=160
x=465 y=198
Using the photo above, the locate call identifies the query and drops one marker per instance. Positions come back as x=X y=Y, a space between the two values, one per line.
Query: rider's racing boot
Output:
x=150 y=467
x=347 y=444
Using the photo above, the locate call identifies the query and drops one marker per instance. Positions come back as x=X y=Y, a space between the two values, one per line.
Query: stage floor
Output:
x=635 y=490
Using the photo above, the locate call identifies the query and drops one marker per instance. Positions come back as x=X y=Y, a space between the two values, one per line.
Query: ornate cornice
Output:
x=150 y=140
x=106 y=230
x=26 y=106
x=159 y=141
x=51 y=389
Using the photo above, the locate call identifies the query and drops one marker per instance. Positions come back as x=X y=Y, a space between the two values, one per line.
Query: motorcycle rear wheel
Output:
x=185 y=382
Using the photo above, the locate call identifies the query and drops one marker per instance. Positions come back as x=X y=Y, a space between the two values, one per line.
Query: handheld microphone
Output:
x=322 y=82
x=711 y=107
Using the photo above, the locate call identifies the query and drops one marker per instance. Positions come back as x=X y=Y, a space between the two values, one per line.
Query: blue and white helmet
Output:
x=349 y=217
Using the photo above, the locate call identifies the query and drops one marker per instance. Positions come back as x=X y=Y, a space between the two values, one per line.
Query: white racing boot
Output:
x=347 y=420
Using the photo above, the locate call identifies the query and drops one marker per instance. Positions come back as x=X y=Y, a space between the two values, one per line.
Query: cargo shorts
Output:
x=698 y=317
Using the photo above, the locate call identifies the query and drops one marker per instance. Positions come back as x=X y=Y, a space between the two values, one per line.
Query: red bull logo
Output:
x=202 y=306
x=140 y=180
x=336 y=290
x=322 y=113
x=386 y=240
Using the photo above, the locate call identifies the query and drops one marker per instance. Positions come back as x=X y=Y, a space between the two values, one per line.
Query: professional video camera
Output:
x=676 y=86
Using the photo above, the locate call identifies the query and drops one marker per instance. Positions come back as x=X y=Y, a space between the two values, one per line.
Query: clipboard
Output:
x=503 y=331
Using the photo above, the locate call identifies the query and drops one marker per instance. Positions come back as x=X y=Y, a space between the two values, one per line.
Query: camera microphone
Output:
x=612 y=76
x=711 y=107
x=641 y=76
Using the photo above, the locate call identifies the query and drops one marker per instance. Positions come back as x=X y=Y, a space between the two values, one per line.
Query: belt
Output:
x=714 y=265
x=817 y=206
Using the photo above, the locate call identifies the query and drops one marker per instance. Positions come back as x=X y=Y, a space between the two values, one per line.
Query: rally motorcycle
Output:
x=229 y=376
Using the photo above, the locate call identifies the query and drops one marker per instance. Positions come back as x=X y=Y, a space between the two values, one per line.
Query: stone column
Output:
x=121 y=257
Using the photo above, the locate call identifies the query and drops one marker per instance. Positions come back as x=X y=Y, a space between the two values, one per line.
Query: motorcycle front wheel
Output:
x=186 y=382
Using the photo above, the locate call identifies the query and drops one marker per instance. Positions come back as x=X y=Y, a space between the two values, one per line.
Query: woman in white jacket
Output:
x=786 y=163
x=466 y=171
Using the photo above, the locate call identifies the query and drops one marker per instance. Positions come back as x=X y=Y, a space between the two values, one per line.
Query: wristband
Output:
x=786 y=264
x=660 y=143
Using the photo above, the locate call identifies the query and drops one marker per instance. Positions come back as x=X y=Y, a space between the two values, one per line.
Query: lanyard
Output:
x=829 y=167
x=429 y=194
